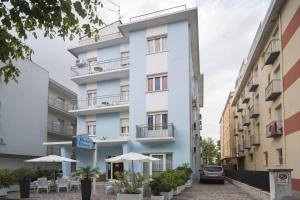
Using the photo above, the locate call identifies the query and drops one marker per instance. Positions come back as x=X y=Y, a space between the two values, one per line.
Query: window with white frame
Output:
x=124 y=90
x=124 y=58
x=157 y=120
x=124 y=126
x=92 y=97
x=157 y=83
x=165 y=162
x=92 y=63
x=157 y=44
x=91 y=128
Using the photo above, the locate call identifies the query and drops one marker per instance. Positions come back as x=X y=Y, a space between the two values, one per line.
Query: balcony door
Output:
x=124 y=93
x=91 y=128
x=157 y=121
x=92 y=98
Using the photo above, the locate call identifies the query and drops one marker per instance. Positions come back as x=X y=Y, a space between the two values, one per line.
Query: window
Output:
x=266 y=158
x=280 y=158
x=124 y=126
x=157 y=44
x=92 y=62
x=250 y=157
x=61 y=125
x=157 y=83
x=165 y=162
x=124 y=93
x=91 y=128
x=157 y=121
x=61 y=102
x=124 y=58
x=278 y=112
x=92 y=97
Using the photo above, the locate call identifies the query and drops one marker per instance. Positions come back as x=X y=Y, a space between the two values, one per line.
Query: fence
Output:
x=257 y=179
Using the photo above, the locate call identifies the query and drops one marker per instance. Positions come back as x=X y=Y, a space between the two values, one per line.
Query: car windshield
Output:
x=213 y=169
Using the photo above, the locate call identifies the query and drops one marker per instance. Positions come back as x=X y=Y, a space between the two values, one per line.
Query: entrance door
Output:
x=116 y=167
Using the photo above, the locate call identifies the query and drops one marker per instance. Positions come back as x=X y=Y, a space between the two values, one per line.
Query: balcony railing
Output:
x=101 y=38
x=84 y=68
x=253 y=83
x=158 y=13
x=254 y=111
x=56 y=103
x=254 y=139
x=235 y=115
x=272 y=51
x=155 y=131
x=240 y=147
x=239 y=127
x=274 y=129
x=103 y=101
x=57 y=128
x=273 y=90
x=239 y=108
x=247 y=143
x=245 y=120
x=235 y=132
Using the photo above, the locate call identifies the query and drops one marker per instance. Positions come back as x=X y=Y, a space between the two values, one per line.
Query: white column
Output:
x=94 y=166
x=111 y=171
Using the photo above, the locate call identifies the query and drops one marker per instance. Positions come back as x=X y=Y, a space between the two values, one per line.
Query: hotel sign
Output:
x=83 y=141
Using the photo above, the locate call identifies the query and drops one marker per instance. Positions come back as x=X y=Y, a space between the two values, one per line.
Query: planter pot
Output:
x=24 y=188
x=3 y=192
x=86 y=189
x=157 y=197
x=188 y=184
x=121 y=196
x=177 y=191
x=182 y=187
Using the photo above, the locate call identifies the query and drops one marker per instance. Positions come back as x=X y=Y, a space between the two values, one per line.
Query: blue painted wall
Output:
x=81 y=125
x=66 y=152
x=108 y=126
x=108 y=87
x=103 y=152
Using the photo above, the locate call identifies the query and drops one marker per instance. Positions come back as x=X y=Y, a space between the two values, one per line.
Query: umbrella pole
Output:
x=132 y=166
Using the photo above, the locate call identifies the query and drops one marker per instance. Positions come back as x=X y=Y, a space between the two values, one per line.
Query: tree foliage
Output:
x=63 y=18
x=210 y=152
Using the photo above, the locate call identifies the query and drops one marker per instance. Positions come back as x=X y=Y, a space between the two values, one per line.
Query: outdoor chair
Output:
x=75 y=181
x=42 y=183
x=62 y=183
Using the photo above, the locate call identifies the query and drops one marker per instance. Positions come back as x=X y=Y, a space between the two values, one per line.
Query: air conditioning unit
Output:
x=80 y=63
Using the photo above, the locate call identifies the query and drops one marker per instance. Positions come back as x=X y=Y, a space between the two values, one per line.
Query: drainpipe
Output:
x=94 y=166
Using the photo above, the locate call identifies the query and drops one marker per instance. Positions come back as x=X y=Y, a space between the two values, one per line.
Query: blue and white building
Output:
x=140 y=90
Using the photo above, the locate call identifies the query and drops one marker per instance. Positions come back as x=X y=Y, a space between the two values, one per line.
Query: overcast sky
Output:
x=226 y=31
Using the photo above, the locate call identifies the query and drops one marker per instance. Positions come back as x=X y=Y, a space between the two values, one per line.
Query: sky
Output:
x=226 y=31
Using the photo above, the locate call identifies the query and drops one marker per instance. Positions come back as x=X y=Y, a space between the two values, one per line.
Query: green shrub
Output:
x=21 y=174
x=6 y=178
x=166 y=179
x=130 y=182
x=180 y=177
x=186 y=168
x=156 y=187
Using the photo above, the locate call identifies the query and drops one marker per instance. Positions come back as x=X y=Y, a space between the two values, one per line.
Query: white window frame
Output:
x=126 y=127
x=152 y=40
x=91 y=123
x=93 y=98
x=164 y=161
x=160 y=76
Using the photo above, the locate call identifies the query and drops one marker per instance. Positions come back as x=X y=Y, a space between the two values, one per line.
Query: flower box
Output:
x=168 y=195
x=121 y=196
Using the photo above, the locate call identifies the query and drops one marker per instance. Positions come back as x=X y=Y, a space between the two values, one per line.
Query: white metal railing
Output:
x=56 y=103
x=62 y=129
x=155 y=130
x=100 y=38
x=273 y=46
x=274 y=129
x=103 y=101
x=254 y=111
x=99 y=67
x=159 y=12
x=273 y=87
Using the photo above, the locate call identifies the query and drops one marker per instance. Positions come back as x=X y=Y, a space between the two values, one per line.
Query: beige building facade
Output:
x=267 y=94
x=227 y=136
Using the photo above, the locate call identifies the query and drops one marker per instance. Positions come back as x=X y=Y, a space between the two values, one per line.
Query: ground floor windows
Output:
x=165 y=162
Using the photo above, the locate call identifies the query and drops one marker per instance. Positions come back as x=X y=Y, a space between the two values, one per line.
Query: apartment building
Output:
x=227 y=135
x=140 y=90
x=61 y=124
x=266 y=99
x=32 y=111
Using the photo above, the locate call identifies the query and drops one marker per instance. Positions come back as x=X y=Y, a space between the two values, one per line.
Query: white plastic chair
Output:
x=74 y=181
x=62 y=183
x=42 y=183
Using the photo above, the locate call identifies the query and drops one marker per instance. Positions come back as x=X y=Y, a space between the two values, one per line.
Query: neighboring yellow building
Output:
x=227 y=136
x=267 y=94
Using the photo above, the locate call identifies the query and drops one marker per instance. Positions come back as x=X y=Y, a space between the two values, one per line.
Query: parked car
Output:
x=212 y=173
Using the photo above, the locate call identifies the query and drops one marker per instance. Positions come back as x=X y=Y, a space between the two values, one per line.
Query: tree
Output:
x=209 y=152
x=63 y=18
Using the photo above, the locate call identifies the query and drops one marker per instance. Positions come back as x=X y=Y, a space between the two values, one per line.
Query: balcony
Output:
x=235 y=115
x=60 y=106
x=84 y=72
x=100 y=38
x=239 y=128
x=54 y=127
x=274 y=129
x=245 y=99
x=155 y=133
x=239 y=108
x=247 y=143
x=272 y=51
x=240 y=147
x=273 y=90
x=253 y=83
x=245 y=121
x=102 y=104
x=254 y=140
x=235 y=132
x=254 y=111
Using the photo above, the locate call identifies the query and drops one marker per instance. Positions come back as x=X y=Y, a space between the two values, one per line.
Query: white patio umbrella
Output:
x=52 y=159
x=131 y=157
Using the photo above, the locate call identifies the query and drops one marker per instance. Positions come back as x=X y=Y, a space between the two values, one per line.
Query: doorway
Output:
x=116 y=167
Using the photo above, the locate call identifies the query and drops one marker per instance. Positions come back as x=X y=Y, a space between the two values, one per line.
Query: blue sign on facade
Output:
x=83 y=141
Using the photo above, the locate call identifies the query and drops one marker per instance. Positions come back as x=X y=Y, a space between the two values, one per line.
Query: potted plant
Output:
x=129 y=184
x=188 y=172
x=156 y=189
x=23 y=176
x=180 y=178
x=5 y=181
x=86 y=173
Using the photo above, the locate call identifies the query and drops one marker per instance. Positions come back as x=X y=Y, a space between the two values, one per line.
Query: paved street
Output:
x=197 y=192
x=210 y=191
